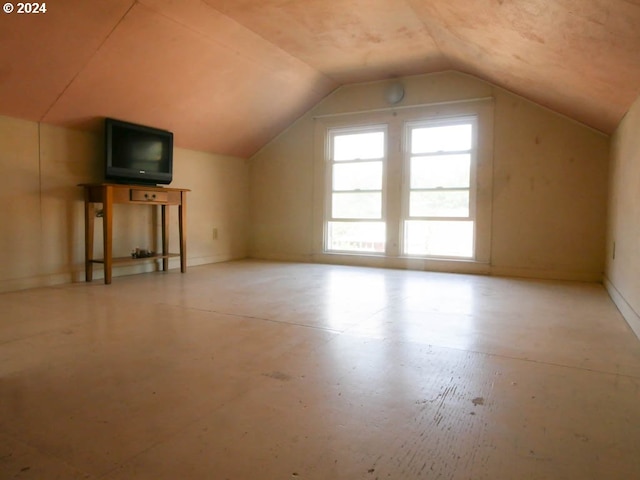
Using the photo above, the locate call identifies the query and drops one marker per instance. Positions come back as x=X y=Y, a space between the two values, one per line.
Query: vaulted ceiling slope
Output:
x=228 y=75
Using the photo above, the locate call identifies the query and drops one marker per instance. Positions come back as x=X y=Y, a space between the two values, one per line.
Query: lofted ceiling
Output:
x=226 y=76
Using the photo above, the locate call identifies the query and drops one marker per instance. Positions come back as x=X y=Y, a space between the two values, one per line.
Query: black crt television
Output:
x=137 y=154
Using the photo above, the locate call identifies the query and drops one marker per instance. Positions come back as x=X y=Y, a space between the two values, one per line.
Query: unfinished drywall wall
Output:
x=20 y=226
x=41 y=208
x=549 y=175
x=218 y=205
x=623 y=233
x=549 y=191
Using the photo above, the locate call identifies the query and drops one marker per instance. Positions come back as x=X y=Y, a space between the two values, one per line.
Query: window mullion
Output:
x=441 y=153
x=441 y=189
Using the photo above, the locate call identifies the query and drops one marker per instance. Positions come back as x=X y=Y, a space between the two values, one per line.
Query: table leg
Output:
x=89 y=216
x=165 y=236
x=182 y=228
x=107 y=232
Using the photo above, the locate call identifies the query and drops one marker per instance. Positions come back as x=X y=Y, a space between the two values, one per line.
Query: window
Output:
x=412 y=186
x=439 y=194
x=355 y=210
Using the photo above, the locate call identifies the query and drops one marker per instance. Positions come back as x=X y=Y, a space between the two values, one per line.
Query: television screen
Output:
x=137 y=153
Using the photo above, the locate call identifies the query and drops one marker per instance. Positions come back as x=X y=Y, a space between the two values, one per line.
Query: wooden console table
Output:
x=107 y=194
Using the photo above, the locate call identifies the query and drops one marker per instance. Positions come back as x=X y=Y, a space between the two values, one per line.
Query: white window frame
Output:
x=331 y=133
x=395 y=119
x=439 y=121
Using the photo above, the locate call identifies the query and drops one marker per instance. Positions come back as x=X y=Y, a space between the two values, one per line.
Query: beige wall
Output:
x=623 y=232
x=41 y=209
x=548 y=197
x=550 y=193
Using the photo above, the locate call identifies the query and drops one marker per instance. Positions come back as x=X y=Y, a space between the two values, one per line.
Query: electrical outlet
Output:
x=214 y=233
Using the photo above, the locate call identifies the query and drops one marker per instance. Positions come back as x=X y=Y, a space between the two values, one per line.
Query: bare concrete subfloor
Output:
x=261 y=370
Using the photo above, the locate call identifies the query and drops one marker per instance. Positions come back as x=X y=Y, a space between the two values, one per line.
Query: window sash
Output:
x=341 y=191
x=355 y=208
x=423 y=224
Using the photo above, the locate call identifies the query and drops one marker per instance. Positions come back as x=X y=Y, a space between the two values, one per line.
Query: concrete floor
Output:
x=258 y=370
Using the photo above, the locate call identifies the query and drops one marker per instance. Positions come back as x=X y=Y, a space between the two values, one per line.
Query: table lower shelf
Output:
x=130 y=260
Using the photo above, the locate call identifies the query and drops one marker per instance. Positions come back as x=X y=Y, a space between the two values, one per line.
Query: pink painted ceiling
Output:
x=226 y=76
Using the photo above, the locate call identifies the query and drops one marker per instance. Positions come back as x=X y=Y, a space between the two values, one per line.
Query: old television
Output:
x=137 y=154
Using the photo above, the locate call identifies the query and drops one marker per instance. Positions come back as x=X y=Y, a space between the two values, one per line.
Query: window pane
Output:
x=357 y=146
x=356 y=236
x=439 y=238
x=451 y=138
x=448 y=171
x=439 y=204
x=356 y=205
x=357 y=176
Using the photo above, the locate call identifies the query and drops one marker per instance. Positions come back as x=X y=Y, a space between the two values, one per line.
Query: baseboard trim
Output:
x=15 y=284
x=446 y=266
x=627 y=311
x=78 y=275
x=544 y=274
